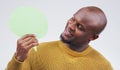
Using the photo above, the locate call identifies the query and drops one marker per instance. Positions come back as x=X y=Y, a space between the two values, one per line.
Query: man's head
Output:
x=85 y=25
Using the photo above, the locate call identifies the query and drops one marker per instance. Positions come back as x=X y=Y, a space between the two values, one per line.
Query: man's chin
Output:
x=64 y=40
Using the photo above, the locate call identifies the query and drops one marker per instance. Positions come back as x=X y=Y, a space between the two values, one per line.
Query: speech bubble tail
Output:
x=35 y=48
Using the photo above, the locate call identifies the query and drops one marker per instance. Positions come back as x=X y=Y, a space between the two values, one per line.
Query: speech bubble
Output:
x=28 y=20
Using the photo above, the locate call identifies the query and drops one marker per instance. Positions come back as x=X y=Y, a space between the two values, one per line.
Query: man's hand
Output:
x=24 y=44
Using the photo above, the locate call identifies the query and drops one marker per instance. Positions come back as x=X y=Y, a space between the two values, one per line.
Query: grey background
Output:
x=58 y=12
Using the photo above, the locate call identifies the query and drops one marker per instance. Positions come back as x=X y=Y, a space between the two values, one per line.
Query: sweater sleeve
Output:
x=109 y=67
x=14 y=64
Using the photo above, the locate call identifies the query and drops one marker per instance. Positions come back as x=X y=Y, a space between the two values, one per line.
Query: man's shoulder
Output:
x=99 y=56
x=97 y=53
x=48 y=45
x=44 y=47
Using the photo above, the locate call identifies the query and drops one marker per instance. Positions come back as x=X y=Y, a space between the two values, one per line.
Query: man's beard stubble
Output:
x=69 y=42
x=63 y=40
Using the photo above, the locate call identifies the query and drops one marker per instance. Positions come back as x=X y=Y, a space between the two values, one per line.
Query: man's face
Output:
x=79 y=28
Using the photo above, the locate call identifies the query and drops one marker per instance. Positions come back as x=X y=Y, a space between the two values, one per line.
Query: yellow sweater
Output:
x=56 y=55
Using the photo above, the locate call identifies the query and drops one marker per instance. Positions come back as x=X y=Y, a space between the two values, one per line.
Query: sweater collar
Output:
x=71 y=52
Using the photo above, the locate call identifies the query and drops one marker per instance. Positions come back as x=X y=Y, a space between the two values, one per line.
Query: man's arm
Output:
x=20 y=60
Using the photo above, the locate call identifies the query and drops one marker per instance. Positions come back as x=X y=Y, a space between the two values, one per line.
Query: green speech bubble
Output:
x=28 y=20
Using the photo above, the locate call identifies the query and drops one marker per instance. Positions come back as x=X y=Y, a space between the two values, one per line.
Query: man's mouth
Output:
x=68 y=33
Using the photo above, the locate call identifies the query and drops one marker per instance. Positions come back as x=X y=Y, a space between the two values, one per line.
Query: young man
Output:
x=72 y=52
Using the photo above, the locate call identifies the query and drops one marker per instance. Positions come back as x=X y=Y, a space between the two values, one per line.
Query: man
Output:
x=72 y=52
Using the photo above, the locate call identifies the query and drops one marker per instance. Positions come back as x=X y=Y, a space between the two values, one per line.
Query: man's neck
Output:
x=78 y=48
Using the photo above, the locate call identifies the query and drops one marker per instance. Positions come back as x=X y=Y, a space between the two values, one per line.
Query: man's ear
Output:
x=93 y=37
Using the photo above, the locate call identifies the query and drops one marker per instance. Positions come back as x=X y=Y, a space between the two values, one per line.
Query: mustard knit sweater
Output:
x=56 y=55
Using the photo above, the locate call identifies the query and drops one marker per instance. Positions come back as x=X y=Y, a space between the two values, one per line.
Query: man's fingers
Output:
x=32 y=40
x=27 y=39
x=32 y=45
x=35 y=40
x=20 y=41
x=27 y=42
x=27 y=35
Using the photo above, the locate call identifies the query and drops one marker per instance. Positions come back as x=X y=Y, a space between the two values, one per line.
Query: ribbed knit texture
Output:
x=56 y=55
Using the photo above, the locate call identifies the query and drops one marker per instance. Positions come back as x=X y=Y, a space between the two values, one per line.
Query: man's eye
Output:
x=80 y=27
